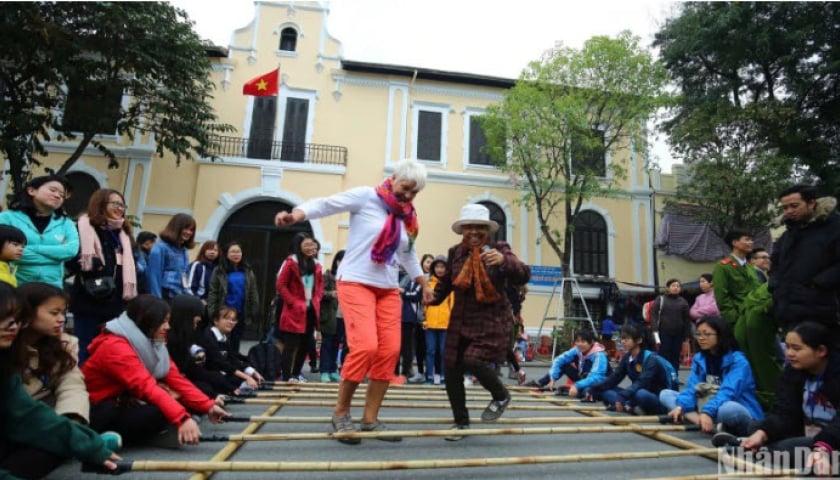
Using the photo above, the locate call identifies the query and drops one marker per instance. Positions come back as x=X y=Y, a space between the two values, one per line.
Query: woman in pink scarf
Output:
x=105 y=251
x=383 y=227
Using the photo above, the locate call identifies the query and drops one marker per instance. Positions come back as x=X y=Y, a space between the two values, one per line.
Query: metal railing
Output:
x=268 y=149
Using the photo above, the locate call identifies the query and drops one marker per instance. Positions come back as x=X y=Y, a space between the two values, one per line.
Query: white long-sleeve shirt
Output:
x=367 y=218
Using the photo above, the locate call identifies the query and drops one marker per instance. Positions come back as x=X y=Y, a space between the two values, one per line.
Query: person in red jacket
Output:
x=301 y=286
x=135 y=388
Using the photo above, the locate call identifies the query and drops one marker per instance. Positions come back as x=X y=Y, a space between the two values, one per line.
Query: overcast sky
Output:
x=489 y=37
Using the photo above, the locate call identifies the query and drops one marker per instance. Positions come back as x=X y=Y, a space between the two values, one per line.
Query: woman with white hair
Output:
x=383 y=228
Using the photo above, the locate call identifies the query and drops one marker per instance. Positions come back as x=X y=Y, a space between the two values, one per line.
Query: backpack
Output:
x=266 y=358
x=647 y=309
x=672 y=380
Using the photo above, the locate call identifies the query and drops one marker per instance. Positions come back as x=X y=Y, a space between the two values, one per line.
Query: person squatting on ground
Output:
x=31 y=429
x=133 y=383
x=804 y=413
x=477 y=270
x=586 y=364
x=671 y=322
x=383 y=229
x=720 y=388
x=647 y=375
x=223 y=357
x=301 y=286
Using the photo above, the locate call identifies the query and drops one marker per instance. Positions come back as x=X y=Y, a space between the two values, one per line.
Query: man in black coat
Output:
x=805 y=273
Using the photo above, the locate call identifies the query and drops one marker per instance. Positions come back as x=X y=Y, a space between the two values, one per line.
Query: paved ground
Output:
x=319 y=452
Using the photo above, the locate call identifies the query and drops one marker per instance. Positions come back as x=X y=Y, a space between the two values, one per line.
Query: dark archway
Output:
x=498 y=216
x=265 y=247
x=82 y=187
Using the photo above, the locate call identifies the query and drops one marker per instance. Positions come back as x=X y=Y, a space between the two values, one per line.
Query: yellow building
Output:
x=339 y=123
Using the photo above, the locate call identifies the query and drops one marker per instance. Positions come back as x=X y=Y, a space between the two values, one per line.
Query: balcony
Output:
x=268 y=149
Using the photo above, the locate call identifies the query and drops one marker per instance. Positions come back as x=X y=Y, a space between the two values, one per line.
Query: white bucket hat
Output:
x=474 y=214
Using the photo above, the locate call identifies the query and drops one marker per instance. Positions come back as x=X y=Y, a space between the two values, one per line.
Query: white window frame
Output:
x=470 y=112
x=444 y=110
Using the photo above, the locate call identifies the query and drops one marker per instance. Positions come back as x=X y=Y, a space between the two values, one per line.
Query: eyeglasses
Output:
x=762 y=257
x=118 y=205
x=230 y=319
x=705 y=335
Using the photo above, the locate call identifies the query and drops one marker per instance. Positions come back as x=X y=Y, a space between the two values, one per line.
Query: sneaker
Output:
x=416 y=378
x=325 y=378
x=378 y=426
x=429 y=381
x=725 y=439
x=112 y=440
x=343 y=425
x=520 y=376
x=302 y=378
x=468 y=381
x=454 y=437
x=335 y=377
x=533 y=384
x=495 y=409
x=294 y=380
x=436 y=379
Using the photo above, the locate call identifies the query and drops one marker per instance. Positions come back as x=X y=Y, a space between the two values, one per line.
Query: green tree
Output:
x=762 y=73
x=567 y=109
x=64 y=67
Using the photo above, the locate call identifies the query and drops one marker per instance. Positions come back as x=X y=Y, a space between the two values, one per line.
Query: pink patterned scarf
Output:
x=90 y=247
x=389 y=238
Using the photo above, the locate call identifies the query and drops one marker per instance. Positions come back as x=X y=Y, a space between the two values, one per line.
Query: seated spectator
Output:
x=32 y=431
x=221 y=357
x=647 y=375
x=188 y=355
x=135 y=387
x=804 y=412
x=585 y=364
x=721 y=388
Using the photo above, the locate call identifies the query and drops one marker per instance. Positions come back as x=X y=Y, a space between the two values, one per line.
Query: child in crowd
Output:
x=12 y=241
x=646 y=372
x=135 y=387
x=222 y=357
x=32 y=431
x=202 y=268
x=145 y=242
x=188 y=355
x=721 y=388
x=437 y=321
x=804 y=411
x=234 y=285
x=586 y=364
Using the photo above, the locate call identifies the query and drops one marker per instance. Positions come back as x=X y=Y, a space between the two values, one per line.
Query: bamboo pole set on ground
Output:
x=322 y=466
x=272 y=437
x=506 y=420
x=387 y=404
x=388 y=396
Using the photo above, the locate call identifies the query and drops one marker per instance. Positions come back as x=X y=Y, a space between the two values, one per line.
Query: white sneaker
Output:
x=301 y=378
x=436 y=379
x=467 y=381
x=416 y=378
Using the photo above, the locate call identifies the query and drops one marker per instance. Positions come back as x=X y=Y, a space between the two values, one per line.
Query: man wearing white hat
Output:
x=478 y=270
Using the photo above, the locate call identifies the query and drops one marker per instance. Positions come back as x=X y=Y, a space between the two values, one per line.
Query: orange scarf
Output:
x=474 y=274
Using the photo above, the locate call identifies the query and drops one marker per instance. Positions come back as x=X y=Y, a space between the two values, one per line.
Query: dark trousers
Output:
x=294 y=353
x=670 y=348
x=511 y=358
x=455 y=390
x=236 y=333
x=420 y=354
x=329 y=353
x=136 y=423
x=406 y=349
x=25 y=461
x=86 y=328
x=340 y=341
x=311 y=349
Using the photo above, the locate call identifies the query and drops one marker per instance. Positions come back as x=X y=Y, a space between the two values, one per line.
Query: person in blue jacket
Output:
x=51 y=237
x=166 y=272
x=720 y=388
x=586 y=364
x=647 y=375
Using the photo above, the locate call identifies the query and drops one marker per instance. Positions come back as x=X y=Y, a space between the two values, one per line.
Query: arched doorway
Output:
x=265 y=247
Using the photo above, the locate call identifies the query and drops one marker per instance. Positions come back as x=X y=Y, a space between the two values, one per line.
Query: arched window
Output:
x=590 y=244
x=498 y=216
x=288 y=39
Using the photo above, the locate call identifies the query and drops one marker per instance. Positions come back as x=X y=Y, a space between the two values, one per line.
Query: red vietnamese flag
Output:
x=263 y=86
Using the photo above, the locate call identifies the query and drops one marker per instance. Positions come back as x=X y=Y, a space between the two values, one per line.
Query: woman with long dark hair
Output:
x=107 y=257
x=233 y=284
x=301 y=286
x=166 y=273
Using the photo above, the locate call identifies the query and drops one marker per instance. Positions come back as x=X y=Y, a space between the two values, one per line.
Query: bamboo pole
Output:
x=386 y=404
x=273 y=437
x=441 y=420
x=388 y=396
x=322 y=466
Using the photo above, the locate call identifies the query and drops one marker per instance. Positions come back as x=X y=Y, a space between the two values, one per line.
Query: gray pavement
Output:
x=426 y=448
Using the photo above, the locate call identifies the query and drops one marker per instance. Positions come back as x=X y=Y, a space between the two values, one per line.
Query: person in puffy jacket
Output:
x=586 y=364
x=166 y=272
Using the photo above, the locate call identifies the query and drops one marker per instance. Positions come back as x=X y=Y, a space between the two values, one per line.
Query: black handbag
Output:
x=99 y=288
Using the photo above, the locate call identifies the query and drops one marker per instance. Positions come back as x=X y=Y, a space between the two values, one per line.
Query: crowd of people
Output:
x=156 y=338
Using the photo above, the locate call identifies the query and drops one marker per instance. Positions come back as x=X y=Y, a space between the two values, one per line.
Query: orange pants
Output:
x=372 y=318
